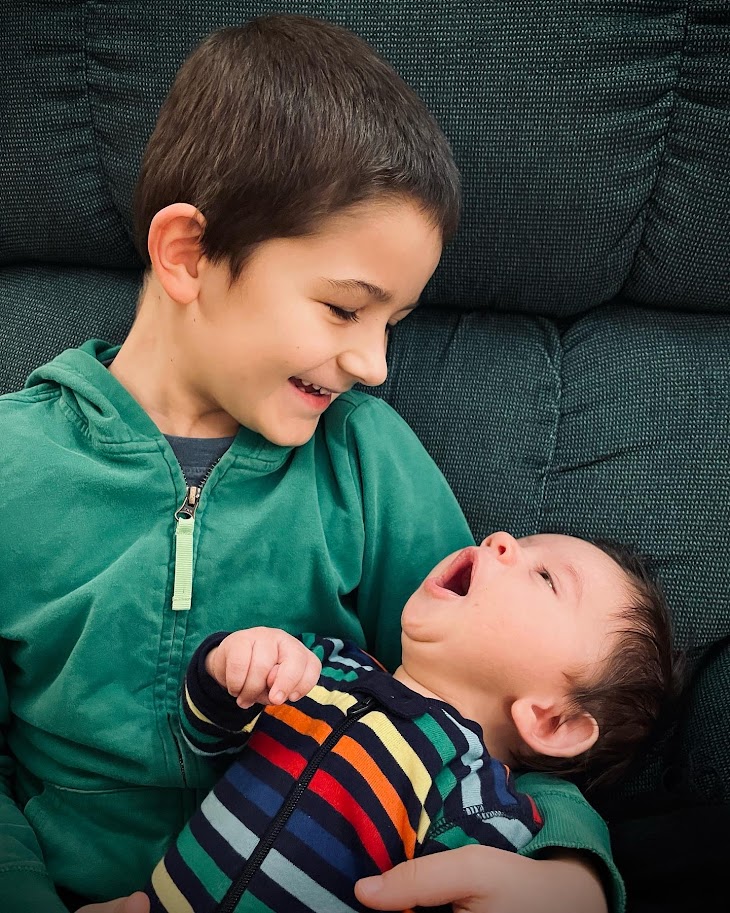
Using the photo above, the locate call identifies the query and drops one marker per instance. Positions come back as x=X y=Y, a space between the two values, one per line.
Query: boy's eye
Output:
x=545 y=574
x=342 y=313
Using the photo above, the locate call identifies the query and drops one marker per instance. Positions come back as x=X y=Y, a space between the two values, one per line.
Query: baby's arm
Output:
x=230 y=678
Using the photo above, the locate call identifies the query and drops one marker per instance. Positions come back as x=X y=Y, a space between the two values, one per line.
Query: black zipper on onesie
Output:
x=238 y=887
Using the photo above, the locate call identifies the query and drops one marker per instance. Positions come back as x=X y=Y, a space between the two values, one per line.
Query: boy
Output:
x=513 y=650
x=292 y=204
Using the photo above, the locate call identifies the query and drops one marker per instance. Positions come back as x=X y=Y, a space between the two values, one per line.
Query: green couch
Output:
x=572 y=369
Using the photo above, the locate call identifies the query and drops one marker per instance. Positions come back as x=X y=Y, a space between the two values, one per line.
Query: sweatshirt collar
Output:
x=114 y=418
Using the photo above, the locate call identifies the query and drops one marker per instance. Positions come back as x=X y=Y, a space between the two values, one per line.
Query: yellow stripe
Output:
x=340 y=699
x=168 y=892
x=406 y=758
x=195 y=710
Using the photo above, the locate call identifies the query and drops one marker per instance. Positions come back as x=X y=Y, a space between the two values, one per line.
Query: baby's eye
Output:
x=545 y=574
x=342 y=313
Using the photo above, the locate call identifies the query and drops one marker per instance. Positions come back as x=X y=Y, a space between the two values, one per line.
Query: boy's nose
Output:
x=505 y=547
x=366 y=360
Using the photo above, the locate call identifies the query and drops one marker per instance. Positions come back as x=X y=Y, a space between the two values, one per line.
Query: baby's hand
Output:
x=263 y=666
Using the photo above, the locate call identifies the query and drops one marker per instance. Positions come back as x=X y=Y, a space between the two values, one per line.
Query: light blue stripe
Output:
x=512 y=829
x=228 y=826
x=343 y=660
x=297 y=883
x=473 y=758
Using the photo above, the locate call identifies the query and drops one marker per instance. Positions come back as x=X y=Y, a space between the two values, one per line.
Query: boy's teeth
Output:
x=317 y=387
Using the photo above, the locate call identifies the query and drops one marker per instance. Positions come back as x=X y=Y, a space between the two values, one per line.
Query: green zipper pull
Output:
x=182 y=590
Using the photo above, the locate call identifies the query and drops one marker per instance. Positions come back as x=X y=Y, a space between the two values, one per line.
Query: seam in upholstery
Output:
x=664 y=141
x=106 y=182
x=555 y=367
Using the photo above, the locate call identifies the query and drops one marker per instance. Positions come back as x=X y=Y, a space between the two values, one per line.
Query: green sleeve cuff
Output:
x=24 y=889
x=572 y=824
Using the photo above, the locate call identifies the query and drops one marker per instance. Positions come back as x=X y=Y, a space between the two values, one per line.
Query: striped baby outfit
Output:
x=360 y=774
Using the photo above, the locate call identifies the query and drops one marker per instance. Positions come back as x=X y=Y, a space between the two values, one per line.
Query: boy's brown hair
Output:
x=632 y=688
x=275 y=125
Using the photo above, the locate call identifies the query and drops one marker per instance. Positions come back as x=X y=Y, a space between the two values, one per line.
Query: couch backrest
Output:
x=593 y=141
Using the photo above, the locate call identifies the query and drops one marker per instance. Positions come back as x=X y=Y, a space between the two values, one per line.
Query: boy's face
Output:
x=308 y=318
x=509 y=618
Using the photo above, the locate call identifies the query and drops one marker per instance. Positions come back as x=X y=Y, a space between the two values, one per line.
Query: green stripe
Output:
x=454 y=837
x=339 y=675
x=195 y=857
x=445 y=781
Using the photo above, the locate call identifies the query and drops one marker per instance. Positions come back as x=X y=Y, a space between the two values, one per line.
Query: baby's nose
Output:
x=504 y=546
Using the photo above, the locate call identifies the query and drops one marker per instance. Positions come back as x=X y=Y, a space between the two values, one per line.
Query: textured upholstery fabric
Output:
x=592 y=139
x=573 y=369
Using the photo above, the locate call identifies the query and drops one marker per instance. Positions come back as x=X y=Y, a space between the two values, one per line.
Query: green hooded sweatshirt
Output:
x=107 y=587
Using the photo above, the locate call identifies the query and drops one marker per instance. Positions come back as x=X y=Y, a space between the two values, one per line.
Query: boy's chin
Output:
x=290 y=436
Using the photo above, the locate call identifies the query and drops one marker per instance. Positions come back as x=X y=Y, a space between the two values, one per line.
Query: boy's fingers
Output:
x=135 y=903
x=430 y=881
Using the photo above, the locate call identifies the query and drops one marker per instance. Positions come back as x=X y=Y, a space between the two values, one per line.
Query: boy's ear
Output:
x=547 y=728
x=173 y=243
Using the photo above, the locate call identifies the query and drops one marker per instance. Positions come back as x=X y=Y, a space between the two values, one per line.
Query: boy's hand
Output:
x=483 y=879
x=135 y=903
x=263 y=666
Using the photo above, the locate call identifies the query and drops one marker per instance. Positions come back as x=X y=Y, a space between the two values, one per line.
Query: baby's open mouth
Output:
x=457 y=577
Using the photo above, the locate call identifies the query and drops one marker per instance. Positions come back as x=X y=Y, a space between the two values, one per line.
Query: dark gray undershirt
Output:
x=197 y=454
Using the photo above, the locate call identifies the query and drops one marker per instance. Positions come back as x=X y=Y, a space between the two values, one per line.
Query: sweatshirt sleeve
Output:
x=412 y=520
x=24 y=882
x=485 y=809
x=210 y=719
x=571 y=823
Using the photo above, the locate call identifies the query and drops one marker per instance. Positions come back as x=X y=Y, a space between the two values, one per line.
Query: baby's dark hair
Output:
x=275 y=125
x=632 y=688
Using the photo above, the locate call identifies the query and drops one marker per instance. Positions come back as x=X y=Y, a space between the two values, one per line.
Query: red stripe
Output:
x=537 y=817
x=284 y=758
x=329 y=789
x=332 y=791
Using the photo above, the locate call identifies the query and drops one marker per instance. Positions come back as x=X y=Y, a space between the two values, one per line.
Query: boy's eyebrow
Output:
x=359 y=285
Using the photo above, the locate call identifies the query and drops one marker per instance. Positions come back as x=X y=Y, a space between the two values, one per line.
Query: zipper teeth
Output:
x=199 y=487
x=180 y=760
x=238 y=887
x=204 y=479
x=208 y=472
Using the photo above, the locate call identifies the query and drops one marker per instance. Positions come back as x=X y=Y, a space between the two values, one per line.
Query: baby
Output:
x=548 y=653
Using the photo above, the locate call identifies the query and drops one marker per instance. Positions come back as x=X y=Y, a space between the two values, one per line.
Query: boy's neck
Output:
x=498 y=732
x=152 y=370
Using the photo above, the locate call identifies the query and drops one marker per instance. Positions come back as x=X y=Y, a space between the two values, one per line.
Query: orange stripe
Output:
x=384 y=791
x=302 y=723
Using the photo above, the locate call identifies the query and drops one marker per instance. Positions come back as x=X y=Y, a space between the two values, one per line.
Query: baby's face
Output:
x=514 y=616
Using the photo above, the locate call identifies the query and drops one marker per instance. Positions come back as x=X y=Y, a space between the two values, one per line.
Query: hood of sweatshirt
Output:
x=110 y=415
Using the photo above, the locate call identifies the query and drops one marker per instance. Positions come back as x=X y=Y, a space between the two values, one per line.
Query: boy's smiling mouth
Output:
x=308 y=387
x=456 y=579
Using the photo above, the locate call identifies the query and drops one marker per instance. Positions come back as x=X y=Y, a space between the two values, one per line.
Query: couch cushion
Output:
x=594 y=141
x=617 y=427
x=46 y=309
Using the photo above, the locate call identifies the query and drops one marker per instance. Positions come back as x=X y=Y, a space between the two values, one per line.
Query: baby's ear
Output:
x=548 y=729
